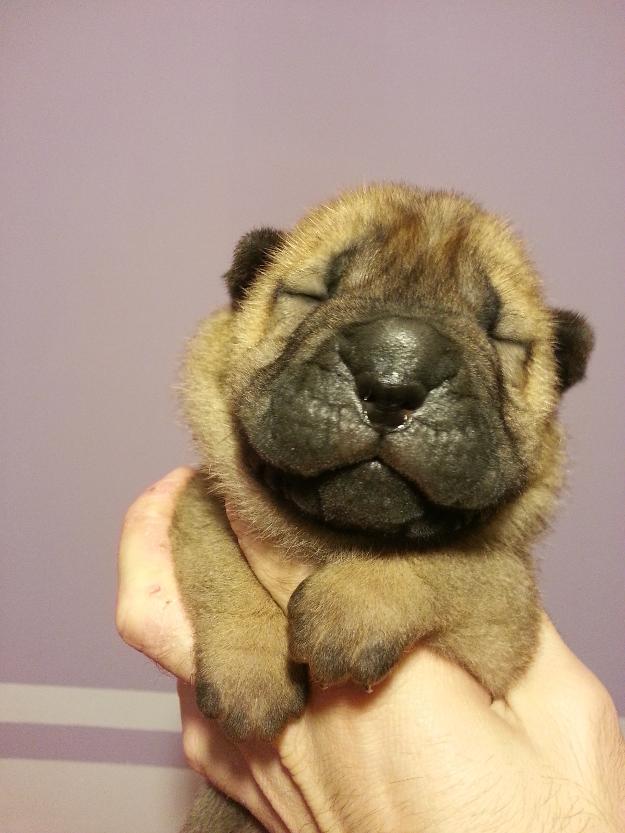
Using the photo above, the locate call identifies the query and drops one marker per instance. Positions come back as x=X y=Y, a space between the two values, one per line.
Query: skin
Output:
x=428 y=751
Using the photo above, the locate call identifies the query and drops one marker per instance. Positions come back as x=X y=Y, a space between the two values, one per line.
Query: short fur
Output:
x=418 y=531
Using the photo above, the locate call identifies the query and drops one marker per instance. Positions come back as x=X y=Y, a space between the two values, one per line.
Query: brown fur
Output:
x=474 y=599
x=215 y=813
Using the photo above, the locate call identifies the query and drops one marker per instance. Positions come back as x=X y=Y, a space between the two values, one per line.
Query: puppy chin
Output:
x=368 y=499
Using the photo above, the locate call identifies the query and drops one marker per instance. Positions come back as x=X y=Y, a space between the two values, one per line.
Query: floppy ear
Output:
x=253 y=251
x=574 y=341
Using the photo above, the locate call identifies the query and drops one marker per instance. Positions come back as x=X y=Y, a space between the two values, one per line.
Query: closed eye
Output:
x=512 y=351
x=509 y=340
x=308 y=296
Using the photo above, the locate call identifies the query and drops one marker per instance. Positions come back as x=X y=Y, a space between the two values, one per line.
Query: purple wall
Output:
x=141 y=139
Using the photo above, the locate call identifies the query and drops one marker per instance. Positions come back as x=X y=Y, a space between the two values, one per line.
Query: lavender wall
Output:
x=141 y=139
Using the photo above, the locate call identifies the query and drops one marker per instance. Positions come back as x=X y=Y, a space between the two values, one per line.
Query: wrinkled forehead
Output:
x=408 y=259
x=438 y=250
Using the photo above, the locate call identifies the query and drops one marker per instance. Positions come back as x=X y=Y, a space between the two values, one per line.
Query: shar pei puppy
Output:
x=380 y=402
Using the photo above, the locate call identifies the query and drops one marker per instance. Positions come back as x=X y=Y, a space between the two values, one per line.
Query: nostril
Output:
x=386 y=402
x=414 y=398
x=365 y=383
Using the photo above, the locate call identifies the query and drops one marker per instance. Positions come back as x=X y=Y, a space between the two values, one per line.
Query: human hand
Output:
x=427 y=751
x=150 y=617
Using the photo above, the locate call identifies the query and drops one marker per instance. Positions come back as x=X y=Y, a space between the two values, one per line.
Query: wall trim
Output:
x=108 y=708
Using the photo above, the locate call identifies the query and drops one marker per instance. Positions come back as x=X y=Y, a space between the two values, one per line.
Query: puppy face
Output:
x=393 y=370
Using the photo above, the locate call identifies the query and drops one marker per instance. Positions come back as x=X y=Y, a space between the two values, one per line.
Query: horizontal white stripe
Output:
x=64 y=797
x=107 y=708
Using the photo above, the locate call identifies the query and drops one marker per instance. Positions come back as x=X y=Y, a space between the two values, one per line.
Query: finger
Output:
x=564 y=712
x=219 y=760
x=557 y=686
x=276 y=783
x=144 y=545
x=279 y=574
x=149 y=614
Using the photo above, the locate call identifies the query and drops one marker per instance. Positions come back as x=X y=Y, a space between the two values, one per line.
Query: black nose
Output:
x=395 y=363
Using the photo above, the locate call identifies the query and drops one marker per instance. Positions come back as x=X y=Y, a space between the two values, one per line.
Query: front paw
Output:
x=252 y=697
x=342 y=637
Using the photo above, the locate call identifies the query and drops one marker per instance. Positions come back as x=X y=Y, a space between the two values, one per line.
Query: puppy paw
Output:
x=252 y=701
x=341 y=636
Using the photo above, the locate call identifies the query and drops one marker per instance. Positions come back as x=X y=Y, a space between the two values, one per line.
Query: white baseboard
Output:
x=99 y=707
x=104 y=708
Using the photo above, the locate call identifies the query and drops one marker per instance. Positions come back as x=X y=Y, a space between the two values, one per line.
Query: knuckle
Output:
x=593 y=695
x=191 y=748
x=601 y=705
x=156 y=503
x=128 y=626
x=121 y=620
x=591 y=705
x=146 y=510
